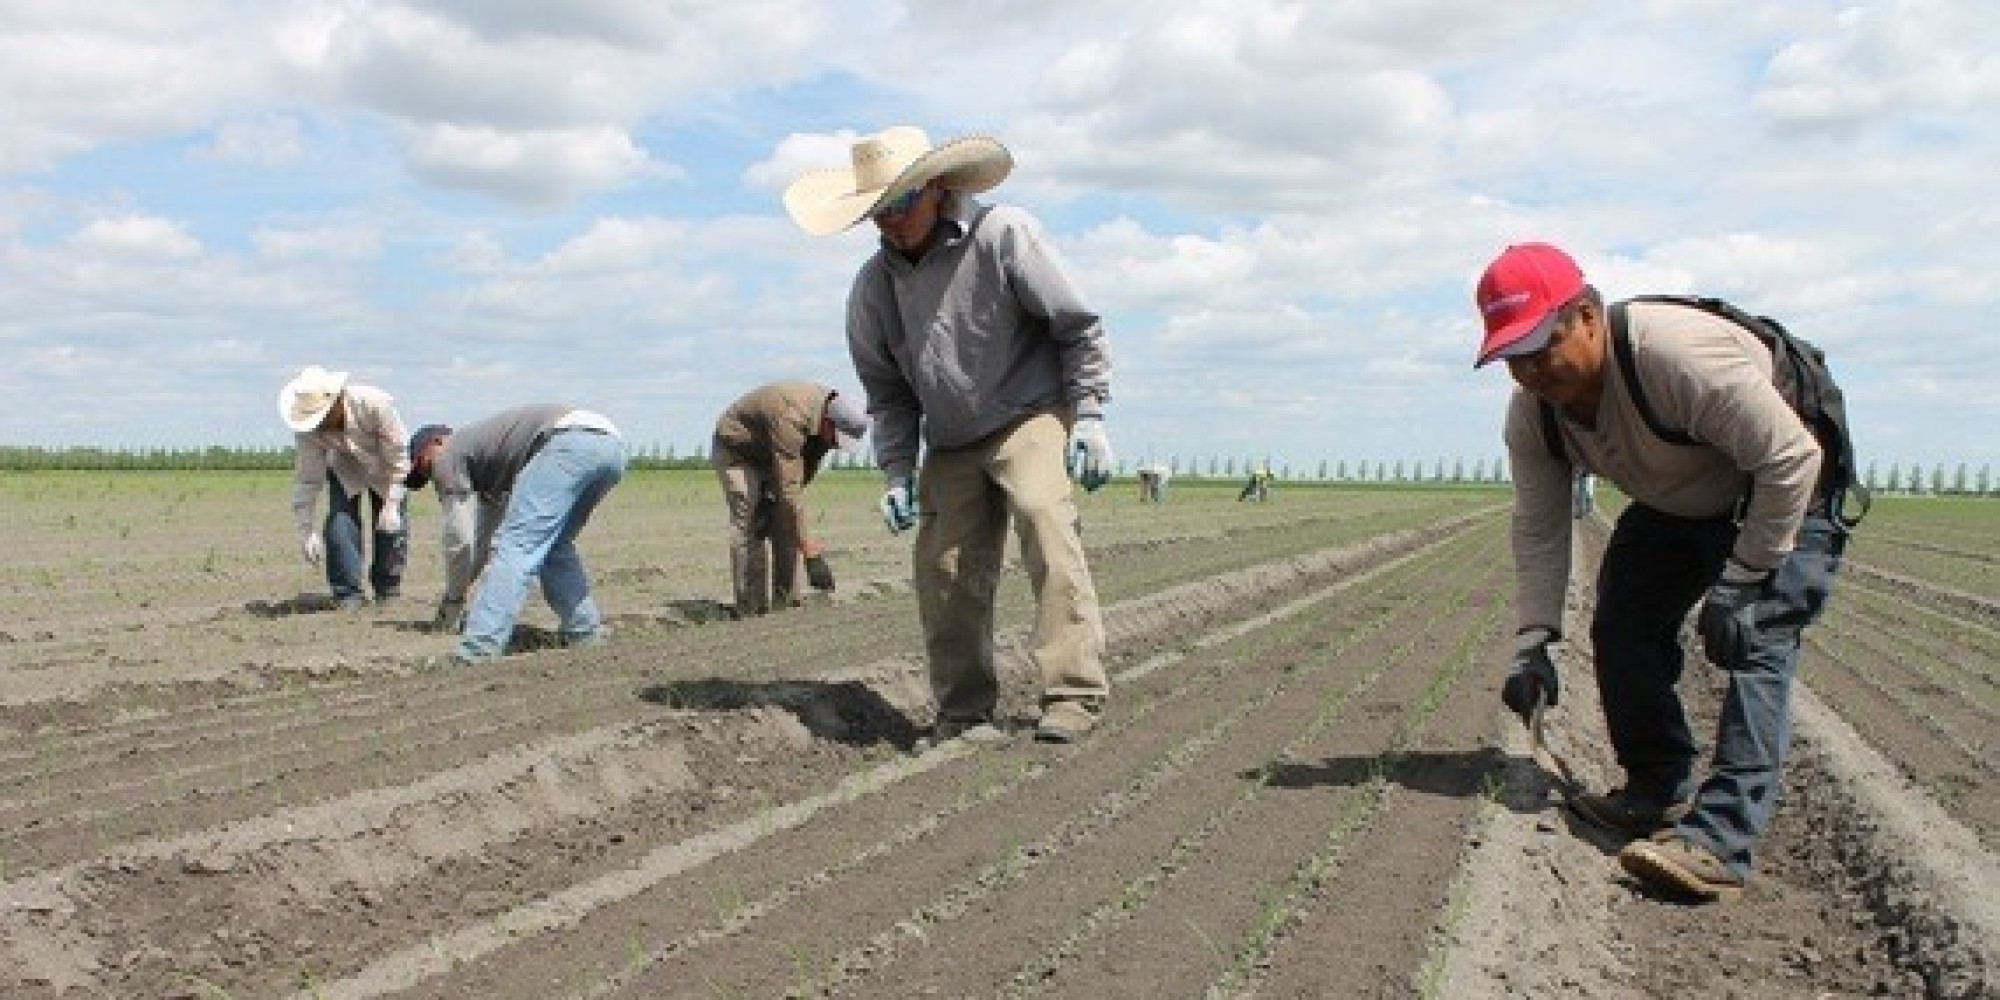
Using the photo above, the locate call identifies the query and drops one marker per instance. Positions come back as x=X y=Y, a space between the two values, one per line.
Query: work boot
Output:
x=1672 y=863
x=1065 y=722
x=1628 y=814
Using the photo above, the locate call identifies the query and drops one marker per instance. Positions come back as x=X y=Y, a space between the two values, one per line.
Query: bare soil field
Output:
x=1305 y=786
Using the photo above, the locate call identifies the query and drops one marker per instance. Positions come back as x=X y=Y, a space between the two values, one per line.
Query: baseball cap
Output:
x=1519 y=297
x=416 y=478
x=850 y=422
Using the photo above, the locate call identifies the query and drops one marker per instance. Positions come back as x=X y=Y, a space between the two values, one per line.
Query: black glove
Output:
x=818 y=573
x=450 y=616
x=1728 y=620
x=1534 y=677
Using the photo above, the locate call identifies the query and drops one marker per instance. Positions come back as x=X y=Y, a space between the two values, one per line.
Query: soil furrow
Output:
x=1144 y=719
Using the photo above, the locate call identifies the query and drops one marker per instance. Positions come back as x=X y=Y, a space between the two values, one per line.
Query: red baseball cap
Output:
x=1519 y=297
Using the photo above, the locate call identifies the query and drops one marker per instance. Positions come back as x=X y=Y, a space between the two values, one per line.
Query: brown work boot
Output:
x=1672 y=863
x=1626 y=814
x=1065 y=722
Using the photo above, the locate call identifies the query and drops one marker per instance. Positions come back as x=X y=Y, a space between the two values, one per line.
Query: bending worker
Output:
x=1726 y=521
x=516 y=489
x=768 y=445
x=348 y=444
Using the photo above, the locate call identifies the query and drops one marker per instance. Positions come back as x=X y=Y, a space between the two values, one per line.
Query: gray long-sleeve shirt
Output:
x=985 y=328
x=1702 y=374
x=475 y=475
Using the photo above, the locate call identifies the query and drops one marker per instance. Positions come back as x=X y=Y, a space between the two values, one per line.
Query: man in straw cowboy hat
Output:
x=349 y=443
x=768 y=445
x=966 y=328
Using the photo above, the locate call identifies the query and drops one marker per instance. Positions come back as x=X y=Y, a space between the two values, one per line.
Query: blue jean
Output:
x=551 y=501
x=343 y=531
x=1655 y=568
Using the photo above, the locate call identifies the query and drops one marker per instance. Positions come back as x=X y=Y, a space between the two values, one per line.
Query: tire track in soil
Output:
x=793 y=933
x=128 y=936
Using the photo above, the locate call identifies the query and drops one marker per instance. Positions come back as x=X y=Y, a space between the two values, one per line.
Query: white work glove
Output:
x=389 y=520
x=314 y=547
x=899 y=507
x=1089 y=452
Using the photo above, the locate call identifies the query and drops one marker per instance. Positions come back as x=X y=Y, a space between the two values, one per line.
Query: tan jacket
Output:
x=372 y=452
x=1703 y=374
x=775 y=427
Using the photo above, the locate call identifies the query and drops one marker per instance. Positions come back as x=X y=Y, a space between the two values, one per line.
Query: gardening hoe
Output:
x=1558 y=768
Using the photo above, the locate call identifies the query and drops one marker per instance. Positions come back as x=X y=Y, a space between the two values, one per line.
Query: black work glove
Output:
x=818 y=573
x=1534 y=679
x=1728 y=620
x=450 y=616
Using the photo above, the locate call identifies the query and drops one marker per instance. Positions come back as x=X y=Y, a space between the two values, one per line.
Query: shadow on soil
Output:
x=1460 y=774
x=847 y=712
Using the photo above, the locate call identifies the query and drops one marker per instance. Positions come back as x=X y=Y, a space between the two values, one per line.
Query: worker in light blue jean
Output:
x=517 y=489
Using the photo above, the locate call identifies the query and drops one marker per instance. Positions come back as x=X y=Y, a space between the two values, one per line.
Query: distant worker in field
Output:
x=965 y=327
x=1258 y=487
x=1732 y=516
x=1153 y=479
x=348 y=444
x=1585 y=501
x=768 y=445
x=516 y=489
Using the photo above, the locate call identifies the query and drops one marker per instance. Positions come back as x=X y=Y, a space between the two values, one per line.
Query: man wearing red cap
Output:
x=1728 y=521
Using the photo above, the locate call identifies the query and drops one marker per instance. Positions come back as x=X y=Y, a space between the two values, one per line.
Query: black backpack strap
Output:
x=1628 y=365
x=1552 y=432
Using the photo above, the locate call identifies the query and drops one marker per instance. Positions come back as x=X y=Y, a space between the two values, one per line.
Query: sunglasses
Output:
x=899 y=204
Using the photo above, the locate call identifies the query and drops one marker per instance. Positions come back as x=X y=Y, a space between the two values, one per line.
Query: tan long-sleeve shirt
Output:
x=1702 y=374
x=371 y=452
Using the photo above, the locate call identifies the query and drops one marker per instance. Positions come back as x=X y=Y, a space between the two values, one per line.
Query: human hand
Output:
x=818 y=573
x=1728 y=619
x=1533 y=680
x=1089 y=452
x=314 y=547
x=899 y=508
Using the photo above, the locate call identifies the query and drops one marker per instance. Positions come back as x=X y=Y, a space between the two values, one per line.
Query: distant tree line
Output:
x=1959 y=479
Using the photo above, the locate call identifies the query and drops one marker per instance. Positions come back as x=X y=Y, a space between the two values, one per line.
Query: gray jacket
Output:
x=986 y=328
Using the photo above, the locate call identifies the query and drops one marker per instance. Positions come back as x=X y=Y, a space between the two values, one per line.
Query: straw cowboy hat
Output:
x=887 y=165
x=303 y=402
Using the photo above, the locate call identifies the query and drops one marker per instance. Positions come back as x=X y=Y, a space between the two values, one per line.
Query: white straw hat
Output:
x=304 y=401
x=885 y=166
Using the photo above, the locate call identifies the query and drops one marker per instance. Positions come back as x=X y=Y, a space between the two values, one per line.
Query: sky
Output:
x=1279 y=208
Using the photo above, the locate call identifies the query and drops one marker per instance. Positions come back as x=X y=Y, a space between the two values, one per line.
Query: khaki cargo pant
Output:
x=965 y=497
x=763 y=555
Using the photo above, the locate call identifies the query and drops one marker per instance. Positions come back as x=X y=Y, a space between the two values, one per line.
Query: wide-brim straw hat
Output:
x=305 y=400
x=887 y=165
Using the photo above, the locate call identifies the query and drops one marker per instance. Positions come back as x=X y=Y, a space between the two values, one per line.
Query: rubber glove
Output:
x=450 y=616
x=818 y=573
x=899 y=507
x=1728 y=620
x=314 y=547
x=1089 y=452
x=1533 y=679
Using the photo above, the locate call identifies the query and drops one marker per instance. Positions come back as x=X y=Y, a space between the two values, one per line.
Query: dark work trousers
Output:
x=1656 y=567
x=346 y=523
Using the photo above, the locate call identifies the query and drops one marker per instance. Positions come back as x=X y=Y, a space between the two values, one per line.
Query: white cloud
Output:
x=534 y=168
x=1890 y=65
x=138 y=237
